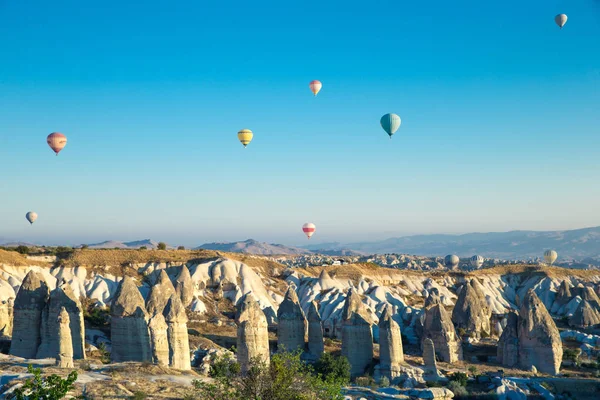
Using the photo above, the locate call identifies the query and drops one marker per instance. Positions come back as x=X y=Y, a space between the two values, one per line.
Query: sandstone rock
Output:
x=129 y=324
x=291 y=323
x=6 y=317
x=160 y=293
x=508 y=344
x=357 y=335
x=564 y=293
x=62 y=297
x=177 y=334
x=391 y=353
x=159 y=341
x=252 y=333
x=64 y=357
x=471 y=311
x=585 y=316
x=315 y=331
x=429 y=358
x=438 y=327
x=184 y=286
x=28 y=307
x=588 y=294
x=433 y=298
x=539 y=339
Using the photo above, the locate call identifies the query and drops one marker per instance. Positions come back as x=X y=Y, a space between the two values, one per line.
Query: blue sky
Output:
x=500 y=119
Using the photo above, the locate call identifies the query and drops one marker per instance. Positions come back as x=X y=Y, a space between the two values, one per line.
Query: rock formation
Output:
x=357 y=335
x=508 y=344
x=471 y=311
x=291 y=324
x=391 y=353
x=564 y=293
x=315 y=331
x=433 y=298
x=129 y=324
x=588 y=294
x=159 y=340
x=252 y=333
x=585 y=316
x=540 y=345
x=29 y=305
x=62 y=298
x=184 y=286
x=429 y=358
x=438 y=326
x=159 y=294
x=177 y=334
x=64 y=358
x=6 y=317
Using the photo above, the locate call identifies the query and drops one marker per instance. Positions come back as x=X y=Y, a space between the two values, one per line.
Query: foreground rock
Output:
x=508 y=344
x=291 y=324
x=29 y=305
x=64 y=358
x=6 y=317
x=177 y=334
x=357 y=336
x=252 y=333
x=315 y=332
x=438 y=327
x=159 y=341
x=471 y=311
x=391 y=354
x=129 y=324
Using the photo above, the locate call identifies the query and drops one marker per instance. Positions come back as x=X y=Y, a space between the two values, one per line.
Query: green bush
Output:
x=433 y=384
x=571 y=354
x=161 y=246
x=384 y=381
x=180 y=248
x=473 y=370
x=224 y=367
x=459 y=377
x=333 y=368
x=365 y=381
x=22 y=250
x=52 y=387
x=139 y=396
x=457 y=388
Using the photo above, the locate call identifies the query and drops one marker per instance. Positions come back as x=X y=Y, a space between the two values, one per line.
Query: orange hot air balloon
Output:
x=315 y=86
x=56 y=141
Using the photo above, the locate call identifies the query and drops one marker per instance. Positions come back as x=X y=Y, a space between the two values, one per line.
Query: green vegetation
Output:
x=571 y=354
x=52 y=387
x=459 y=377
x=286 y=378
x=139 y=396
x=224 y=367
x=333 y=368
x=161 y=246
x=473 y=370
x=457 y=388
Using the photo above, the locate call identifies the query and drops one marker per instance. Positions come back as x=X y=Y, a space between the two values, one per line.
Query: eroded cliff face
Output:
x=357 y=335
x=252 y=333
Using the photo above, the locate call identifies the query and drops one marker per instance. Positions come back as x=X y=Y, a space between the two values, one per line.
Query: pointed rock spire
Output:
x=177 y=334
x=471 y=311
x=184 y=286
x=252 y=333
x=291 y=324
x=64 y=358
x=508 y=344
x=391 y=353
x=160 y=293
x=357 y=335
x=438 y=326
x=315 y=331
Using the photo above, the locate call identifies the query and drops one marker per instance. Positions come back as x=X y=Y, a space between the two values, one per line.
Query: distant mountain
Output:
x=17 y=244
x=571 y=245
x=111 y=244
x=251 y=246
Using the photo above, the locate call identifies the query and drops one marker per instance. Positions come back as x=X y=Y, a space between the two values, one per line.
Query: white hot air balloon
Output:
x=451 y=261
x=550 y=256
x=476 y=261
x=31 y=217
x=308 y=229
x=561 y=20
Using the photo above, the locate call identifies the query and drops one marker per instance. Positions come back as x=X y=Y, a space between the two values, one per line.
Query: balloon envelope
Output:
x=476 y=261
x=31 y=217
x=390 y=123
x=57 y=141
x=561 y=20
x=308 y=229
x=451 y=260
x=550 y=256
x=315 y=86
x=245 y=136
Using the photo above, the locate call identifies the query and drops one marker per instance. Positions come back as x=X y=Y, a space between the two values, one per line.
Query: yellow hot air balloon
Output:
x=245 y=136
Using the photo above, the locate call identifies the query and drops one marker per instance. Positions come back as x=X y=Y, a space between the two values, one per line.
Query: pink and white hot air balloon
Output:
x=56 y=141
x=308 y=229
x=315 y=86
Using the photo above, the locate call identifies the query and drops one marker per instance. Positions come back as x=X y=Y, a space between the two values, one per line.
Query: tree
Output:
x=333 y=368
x=161 y=246
x=181 y=248
x=52 y=387
x=22 y=249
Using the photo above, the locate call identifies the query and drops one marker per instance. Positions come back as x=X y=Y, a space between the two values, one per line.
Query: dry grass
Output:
x=14 y=259
x=118 y=257
x=552 y=272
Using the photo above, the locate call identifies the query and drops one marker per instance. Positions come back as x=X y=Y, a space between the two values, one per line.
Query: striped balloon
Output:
x=31 y=217
x=245 y=136
x=315 y=86
x=561 y=20
x=476 y=261
x=56 y=141
x=390 y=123
x=550 y=256
x=308 y=229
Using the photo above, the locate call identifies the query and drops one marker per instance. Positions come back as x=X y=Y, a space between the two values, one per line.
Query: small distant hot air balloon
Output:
x=550 y=256
x=451 y=261
x=390 y=123
x=315 y=86
x=308 y=229
x=31 y=217
x=561 y=20
x=56 y=141
x=245 y=136
x=476 y=261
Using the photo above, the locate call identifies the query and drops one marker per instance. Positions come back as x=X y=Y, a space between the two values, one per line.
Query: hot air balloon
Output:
x=245 y=136
x=315 y=86
x=390 y=123
x=561 y=20
x=451 y=261
x=550 y=256
x=31 y=217
x=56 y=141
x=476 y=261
x=308 y=229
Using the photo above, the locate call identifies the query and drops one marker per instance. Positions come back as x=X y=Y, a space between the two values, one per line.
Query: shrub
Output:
x=457 y=388
x=333 y=368
x=459 y=377
x=433 y=384
x=22 y=250
x=473 y=370
x=462 y=332
x=139 y=396
x=366 y=381
x=161 y=246
x=104 y=354
x=181 y=248
x=143 y=248
x=384 y=381
x=52 y=387
x=571 y=354
x=224 y=367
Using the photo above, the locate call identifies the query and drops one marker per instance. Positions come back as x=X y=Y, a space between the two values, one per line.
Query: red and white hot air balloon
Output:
x=56 y=141
x=308 y=229
x=315 y=86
